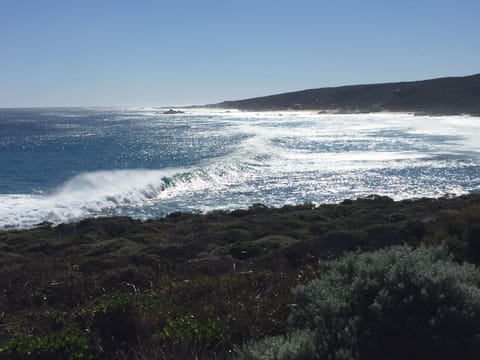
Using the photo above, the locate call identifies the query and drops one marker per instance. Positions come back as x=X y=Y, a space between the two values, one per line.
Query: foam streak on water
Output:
x=65 y=165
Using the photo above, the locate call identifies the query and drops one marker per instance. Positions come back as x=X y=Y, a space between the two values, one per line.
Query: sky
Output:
x=151 y=53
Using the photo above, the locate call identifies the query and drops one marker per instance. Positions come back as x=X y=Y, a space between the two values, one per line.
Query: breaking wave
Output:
x=85 y=195
x=264 y=158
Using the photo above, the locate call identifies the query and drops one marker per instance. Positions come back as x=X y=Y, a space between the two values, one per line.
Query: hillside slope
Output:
x=443 y=96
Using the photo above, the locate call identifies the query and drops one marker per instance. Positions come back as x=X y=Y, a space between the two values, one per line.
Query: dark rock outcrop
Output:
x=172 y=112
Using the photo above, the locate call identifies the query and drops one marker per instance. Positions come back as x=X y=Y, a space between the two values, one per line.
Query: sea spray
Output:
x=87 y=194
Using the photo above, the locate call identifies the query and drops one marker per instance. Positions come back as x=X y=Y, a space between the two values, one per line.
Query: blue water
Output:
x=62 y=165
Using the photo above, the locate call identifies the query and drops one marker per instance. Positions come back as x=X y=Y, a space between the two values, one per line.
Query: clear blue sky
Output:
x=145 y=52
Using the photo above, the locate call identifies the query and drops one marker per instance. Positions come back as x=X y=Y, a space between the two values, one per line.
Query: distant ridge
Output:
x=443 y=96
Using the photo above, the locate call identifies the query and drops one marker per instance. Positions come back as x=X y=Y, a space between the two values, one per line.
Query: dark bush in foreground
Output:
x=397 y=303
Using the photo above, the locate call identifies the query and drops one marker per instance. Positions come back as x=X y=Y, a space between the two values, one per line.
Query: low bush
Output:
x=191 y=331
x=68 y=344
x=110 y=320
x=396 y=303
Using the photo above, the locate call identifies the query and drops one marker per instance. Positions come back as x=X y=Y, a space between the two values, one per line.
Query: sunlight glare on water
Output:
x=63 y=165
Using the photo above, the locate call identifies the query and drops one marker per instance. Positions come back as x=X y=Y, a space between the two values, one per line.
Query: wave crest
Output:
x=86 y=194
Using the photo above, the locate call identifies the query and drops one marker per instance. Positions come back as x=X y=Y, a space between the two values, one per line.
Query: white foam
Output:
x=284 y=153
x=85 y=195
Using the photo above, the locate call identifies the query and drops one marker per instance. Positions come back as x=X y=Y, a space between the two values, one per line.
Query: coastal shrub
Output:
x=68 y=344
x=170 y=251
x=302 y=252
x=245 y=249
x=473 y=240
x=339 y=241
x=130 y=278
x=246 y=304
x=213 y=265
x=297 y=345
x=458 y=247
x=459 y=231
x=416 y=230
x=258 y=208
x=110 y=226
x=319 y=227
x=231 y=235
x=396 y=303
x=189 y=329
x=274 y=242
x=375 y=200
x=110 y=319
x=383 y=235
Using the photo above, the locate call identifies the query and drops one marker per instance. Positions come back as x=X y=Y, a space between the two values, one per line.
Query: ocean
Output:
x=61 y=165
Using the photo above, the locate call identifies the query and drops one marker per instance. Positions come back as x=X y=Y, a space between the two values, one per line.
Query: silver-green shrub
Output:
x=296 y=345
x=397 y=303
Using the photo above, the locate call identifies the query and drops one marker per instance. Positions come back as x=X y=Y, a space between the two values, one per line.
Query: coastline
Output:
x=436 y=97
x=321 y=111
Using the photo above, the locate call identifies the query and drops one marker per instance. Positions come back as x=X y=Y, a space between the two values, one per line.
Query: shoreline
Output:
x=49 y=224
x=253 y=207
x=346 y=112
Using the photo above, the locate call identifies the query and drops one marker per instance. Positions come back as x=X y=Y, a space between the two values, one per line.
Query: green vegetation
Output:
x=396 y=303
x=220 y=285
x=65 y=344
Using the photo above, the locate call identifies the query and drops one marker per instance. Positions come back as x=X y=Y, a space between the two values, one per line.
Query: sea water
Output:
x=61 y=165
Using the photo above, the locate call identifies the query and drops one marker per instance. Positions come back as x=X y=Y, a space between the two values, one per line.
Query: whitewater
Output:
x=62 y=165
